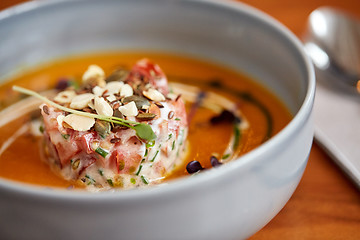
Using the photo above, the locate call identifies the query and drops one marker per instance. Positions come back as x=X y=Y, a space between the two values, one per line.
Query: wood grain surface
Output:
x=326 y=205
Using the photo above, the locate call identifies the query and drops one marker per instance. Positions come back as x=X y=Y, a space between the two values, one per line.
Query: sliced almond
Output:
x=172 y=96
x=91 y=105
x=98 y=91
x=81 y=101
x=65 y=96
x=114 y=87
x=154 y=95
x=60 y=119
x=111 y=98
x=126 y=91
x=129 y=110
x=79 y=123
x=102 y=107
x=94 y=75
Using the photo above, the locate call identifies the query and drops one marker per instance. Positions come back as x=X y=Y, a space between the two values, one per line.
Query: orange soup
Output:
x=20 y=157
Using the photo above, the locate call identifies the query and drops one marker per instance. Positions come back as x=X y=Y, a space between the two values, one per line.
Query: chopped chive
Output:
x=41 y=129
x=91 y=180
x=101 y=172
x=132 y=180
x=143 y=178
x=74 y=84
x=138 y=171
x=177 y=119
x=226 y=156
x=170 y=136
x=173 y=145
x=142 y=160
x=146 y=153
x=153 y=159
x=236 y=137
x=102 y=152
x=110 y=182
x=65 y=136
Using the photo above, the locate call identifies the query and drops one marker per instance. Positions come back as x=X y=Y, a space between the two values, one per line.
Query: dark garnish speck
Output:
x=224 y=116
x=193 y=167
x=214 y=161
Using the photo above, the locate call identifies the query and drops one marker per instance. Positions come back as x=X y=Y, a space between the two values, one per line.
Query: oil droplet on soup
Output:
x=20 y=158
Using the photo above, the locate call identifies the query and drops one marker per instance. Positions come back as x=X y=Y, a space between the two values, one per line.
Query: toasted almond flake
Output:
x=145 y=107
x=65 y=96
x=147 y=86
x=126 y=91
x=102 y=107
x=98 y=91
x=154 y=95
x=79 y=123
x=111 y=98
x=129 y=110
x=81 y=101
x=172 y=96
x=114 y=87
x=95 y=74
x=91 y=105
x=60 y=119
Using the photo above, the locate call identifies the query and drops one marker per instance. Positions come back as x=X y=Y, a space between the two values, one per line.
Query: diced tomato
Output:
x=85 y=141
x=149 y=73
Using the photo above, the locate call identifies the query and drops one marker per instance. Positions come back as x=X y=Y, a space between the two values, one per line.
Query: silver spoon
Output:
x=333 y=42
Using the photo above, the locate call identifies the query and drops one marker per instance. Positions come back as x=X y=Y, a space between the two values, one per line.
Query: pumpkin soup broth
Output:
x=21 y=161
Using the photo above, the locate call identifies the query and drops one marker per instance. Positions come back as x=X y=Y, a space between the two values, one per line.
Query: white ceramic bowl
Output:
x=231 y=202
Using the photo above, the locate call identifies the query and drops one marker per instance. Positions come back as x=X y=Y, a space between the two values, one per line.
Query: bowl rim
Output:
x=178 y=186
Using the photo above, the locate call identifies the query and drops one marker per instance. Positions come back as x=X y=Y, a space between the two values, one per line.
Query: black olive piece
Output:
x=214 y=161
x=62 y=84
x=225 y=116
x=193 y=167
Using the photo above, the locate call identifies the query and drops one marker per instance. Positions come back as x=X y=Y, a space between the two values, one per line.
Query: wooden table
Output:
x=326 y=205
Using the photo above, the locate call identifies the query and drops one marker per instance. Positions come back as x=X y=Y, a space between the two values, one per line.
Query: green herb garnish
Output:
x=41 y=128
x=143 y=130
x=132 y=180
x=150 y=144
x=65 y=136
x=101 y=172
x=177 y=119
x=143 y=178
x=236 y=137
x=146 y=153
x=173 y=145
x=110 y=182
x=153 y=159
x=138 y=171
x=226 y=156
x=74 y=84
x=102 y=152
x=91 y=180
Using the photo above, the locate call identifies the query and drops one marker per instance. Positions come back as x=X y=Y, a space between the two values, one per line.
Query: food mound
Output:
x=134 y=137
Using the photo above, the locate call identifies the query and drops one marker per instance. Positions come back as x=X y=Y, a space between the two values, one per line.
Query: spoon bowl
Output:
x=332 y=41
